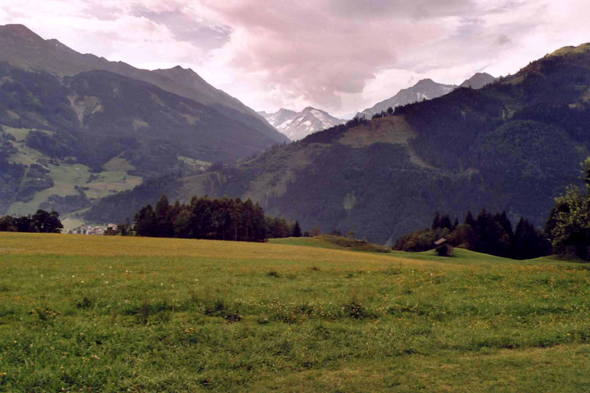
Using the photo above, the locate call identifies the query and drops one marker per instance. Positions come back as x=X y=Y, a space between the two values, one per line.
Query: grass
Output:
x=332 y=242
x=71 y=224
x=84 y=313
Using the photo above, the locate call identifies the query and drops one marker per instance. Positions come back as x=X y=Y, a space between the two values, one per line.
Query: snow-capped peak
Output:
x=298 y=125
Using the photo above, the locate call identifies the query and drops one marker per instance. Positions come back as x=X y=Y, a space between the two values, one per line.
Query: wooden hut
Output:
x=443 y=248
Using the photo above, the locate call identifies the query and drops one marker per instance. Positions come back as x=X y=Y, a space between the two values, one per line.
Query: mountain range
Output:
x=100 y=139
x=512 y=145
x=425 y=89
x=298 y=125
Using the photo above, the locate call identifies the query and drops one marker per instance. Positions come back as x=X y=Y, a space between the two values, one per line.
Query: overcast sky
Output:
x=338 y=55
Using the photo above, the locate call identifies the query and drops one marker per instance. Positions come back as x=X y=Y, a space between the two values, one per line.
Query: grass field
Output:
x=85 y=313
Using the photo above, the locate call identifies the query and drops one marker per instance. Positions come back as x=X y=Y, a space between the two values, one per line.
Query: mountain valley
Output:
x=512 y=145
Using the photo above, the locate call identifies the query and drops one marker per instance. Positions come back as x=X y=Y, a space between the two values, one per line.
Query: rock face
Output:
x=298 y=125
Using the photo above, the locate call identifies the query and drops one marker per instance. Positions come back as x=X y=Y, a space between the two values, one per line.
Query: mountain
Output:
x=478 y=81
x=76 y=128
x=298 y=125
x=424 y=89
x=22 y=48
x=513 y=145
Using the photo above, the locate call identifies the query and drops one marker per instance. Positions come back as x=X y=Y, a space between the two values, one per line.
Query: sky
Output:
x=338 y=55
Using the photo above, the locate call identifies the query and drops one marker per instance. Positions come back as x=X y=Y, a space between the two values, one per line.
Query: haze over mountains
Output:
x=298 y=125
x=425 y=89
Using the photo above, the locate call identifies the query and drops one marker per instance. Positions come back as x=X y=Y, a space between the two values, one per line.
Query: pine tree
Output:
x=436 y=221
x=469 y=220
x=296 y=230
x=445 y=222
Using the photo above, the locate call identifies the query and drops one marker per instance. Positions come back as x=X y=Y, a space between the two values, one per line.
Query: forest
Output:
x=566 y=232
x=214 y=219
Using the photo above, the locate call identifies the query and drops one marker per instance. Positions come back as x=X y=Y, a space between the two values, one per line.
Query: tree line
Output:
x=40 y=222
x=205 y=218
x=566 y=233
x=489 y=233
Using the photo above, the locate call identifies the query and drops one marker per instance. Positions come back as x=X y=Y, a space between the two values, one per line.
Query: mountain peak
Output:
x=20 y=31
x=181 y=70
x=298 y=125
x=284 y=110
x=426 y=81
x=479 y=80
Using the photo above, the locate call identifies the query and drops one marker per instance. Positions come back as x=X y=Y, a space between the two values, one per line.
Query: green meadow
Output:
x=112 y=314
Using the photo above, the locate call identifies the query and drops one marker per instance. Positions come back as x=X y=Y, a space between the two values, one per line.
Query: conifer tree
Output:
x=296 y=230
x=436 y=221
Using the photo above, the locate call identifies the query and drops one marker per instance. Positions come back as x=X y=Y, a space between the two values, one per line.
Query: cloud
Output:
x=341 y=55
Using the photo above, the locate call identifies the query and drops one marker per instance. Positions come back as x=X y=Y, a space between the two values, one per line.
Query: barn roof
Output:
x=440 y=241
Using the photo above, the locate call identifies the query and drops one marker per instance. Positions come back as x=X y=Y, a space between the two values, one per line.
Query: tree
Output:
x=445 y=222
x=469 y=220
x=436 y=221
x=24 y=224
x=162 y=212
x=45 y=222
x=125 y=228
x=146 y=222
x=569 y=222
x=296 y=230
x=7 y=224
x=527 y=242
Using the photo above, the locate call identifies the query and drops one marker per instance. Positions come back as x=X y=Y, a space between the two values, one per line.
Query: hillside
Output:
x=99 y=126
x=298 y=125
x=113 y=314
x=513 y=145
x=22 y=48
